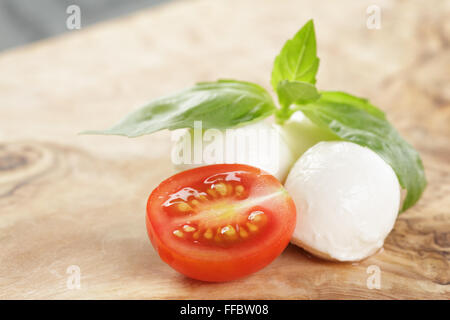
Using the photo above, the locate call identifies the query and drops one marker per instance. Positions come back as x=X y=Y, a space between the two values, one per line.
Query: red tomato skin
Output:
x=219 y=271
x=209 y=270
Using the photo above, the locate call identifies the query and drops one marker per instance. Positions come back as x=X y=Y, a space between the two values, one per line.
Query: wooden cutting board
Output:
x=70 y=200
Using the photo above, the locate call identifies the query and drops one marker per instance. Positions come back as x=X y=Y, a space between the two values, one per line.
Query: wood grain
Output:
x=67 y=199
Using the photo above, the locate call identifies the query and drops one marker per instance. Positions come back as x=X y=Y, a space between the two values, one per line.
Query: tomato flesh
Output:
x=220 y=222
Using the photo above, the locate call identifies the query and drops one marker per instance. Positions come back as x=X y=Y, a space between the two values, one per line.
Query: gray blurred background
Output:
x=24 y=21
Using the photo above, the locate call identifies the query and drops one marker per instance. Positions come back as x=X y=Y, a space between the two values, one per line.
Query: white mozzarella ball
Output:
x=347 y=199
x=259 y=145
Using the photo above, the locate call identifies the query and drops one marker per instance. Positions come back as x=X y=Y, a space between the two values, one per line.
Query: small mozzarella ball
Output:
x=301 y=134
x=347 y=199
x=259 y=145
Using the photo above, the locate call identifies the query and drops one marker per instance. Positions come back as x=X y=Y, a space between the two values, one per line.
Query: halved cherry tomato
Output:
x=220 y=222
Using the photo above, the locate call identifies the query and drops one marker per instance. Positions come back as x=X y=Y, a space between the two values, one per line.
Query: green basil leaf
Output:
x=297 y=60
x=356 y=120
x=291 y=92
x=360 y=103
x=221 y=104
